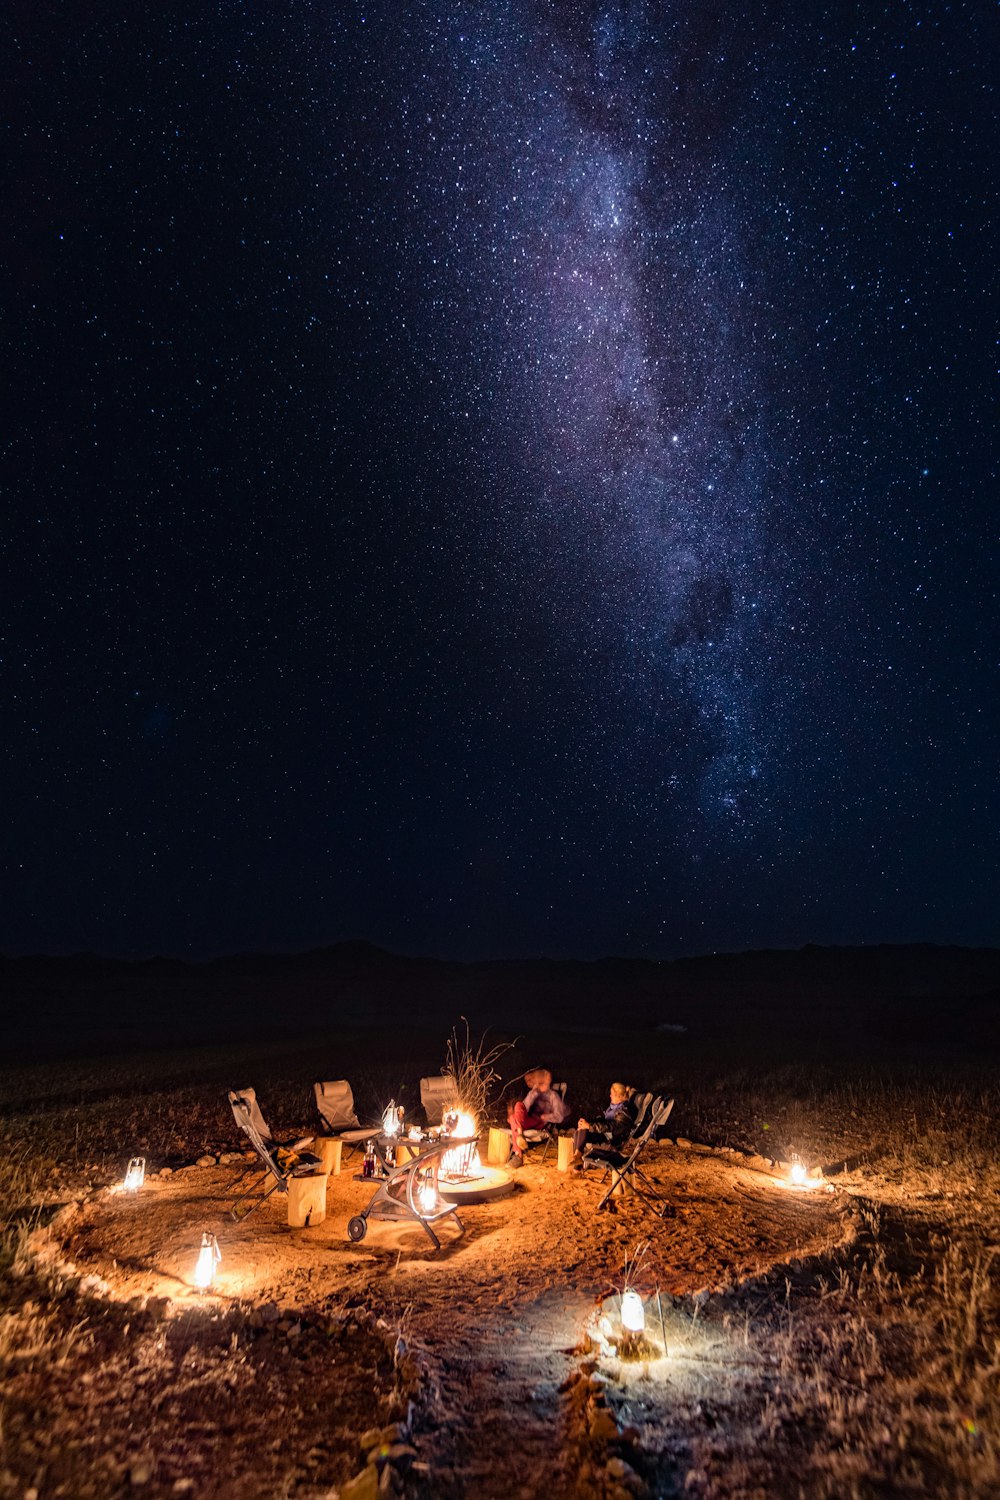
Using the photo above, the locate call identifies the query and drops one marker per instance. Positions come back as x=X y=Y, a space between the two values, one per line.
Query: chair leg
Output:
x=237 y=1212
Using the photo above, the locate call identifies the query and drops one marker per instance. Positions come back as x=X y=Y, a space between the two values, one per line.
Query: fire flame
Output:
x=463 y=1161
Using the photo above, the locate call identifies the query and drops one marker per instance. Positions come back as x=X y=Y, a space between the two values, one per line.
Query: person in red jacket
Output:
x=542 y=1106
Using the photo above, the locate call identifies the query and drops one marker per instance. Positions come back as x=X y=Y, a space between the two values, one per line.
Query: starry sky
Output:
x=501 y=478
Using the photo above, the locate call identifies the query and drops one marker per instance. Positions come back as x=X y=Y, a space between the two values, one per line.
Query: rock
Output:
x=269 y=1313
x=182 y=1487
x=363 y=1486
x=294 y=1331
x=205 y=1161
x=140 y=1473
x=684 y=1144
x=603 y=1428
x=166 y=1171
x=381 y=1437
x=227 y=1158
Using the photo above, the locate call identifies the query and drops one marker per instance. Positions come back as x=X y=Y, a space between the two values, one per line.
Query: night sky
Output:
x=499 y=478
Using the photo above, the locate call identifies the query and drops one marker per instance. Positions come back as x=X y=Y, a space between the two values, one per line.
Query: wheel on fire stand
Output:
x=357 y=1228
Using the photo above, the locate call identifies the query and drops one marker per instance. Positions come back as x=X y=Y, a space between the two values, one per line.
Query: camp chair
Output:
x=625 y=1166
x=642 y=1103
x=547 y=1133
x=436 y=1095
x=335 y=1102
x=410 y=1192
x=279 y=1162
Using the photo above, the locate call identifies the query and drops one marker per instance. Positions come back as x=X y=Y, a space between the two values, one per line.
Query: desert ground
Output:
x=837 y=1340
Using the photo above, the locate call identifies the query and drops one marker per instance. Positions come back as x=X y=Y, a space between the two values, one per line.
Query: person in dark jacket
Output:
x=613 y=1129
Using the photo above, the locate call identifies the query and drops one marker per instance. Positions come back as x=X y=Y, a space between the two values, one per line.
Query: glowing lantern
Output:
x=427 y=1196
x=135 y=1174
x=391 y=1119
x=633 y=1313
x=796 y=1170
x=208 y=1258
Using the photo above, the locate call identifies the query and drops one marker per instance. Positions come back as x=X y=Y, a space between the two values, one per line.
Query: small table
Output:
x=409 y=1191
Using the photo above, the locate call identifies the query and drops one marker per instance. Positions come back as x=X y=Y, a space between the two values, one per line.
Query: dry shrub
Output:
x=472 y=1068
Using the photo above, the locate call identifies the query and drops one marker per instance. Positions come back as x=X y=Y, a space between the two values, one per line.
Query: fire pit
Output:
x=482 y=1186
x=463 y=1177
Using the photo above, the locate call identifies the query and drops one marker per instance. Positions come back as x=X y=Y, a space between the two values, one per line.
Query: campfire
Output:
x=462 y=1163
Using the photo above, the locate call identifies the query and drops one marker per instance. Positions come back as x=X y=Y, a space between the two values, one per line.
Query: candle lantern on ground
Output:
x=633 y=1312
x=796 y=1170
x=135 y=1174
x=208 y=1258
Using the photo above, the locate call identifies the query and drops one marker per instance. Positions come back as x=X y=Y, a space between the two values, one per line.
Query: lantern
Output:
x=391 y=1119
x=208 y=1258
x=427 y=1196
x=796 y=1170
x=135 y=1174
x=633 y=1313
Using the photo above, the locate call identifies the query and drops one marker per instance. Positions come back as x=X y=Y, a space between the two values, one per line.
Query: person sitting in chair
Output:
x=542 y=1106
x=613 y=1130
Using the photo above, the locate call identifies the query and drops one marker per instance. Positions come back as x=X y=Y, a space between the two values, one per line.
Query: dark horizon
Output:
x=362 y=947
x=520 y=480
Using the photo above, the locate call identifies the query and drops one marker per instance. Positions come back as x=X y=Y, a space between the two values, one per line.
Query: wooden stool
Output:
x=406 y=1150
x=619 y=1185
x=329 y=1149
x=307 y=1200
x=498 y=1147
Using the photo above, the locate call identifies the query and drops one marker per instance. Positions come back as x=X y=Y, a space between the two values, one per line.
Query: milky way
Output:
x=503 y=478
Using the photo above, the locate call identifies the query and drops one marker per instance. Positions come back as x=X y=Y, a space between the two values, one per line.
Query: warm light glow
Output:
x=463 y=1161
x=633 y=1313
x=390 y=1120
x=796 y=1170
x=135 y=1174
x=427 y=1197
x=208 y=1258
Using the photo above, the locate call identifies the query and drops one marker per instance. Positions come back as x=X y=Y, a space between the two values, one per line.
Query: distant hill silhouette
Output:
x=88 y=1003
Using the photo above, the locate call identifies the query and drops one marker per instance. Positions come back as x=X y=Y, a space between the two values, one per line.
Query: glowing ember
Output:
x=462 y=1162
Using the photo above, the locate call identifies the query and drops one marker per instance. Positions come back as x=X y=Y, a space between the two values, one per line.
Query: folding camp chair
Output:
x=603 y=1154
x=436 y=1095
x=335 y=1102
x=410 y=1192
x=547 y=1133
x=642 y=1103
x=625 y=1168
x=279 y=1163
